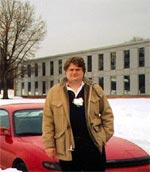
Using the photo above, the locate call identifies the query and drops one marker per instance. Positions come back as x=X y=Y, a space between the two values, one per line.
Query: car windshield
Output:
x=28 y=122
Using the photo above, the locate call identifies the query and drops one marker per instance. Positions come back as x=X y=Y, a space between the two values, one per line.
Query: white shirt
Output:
x=78 y=90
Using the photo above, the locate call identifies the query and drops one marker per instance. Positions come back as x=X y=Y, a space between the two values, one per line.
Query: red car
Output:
x=21 y=146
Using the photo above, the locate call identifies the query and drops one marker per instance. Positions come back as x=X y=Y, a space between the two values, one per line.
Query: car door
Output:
x=4 y=148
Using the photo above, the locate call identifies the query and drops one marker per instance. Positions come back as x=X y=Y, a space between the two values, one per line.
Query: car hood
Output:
x=33 y=140
x=118 y=148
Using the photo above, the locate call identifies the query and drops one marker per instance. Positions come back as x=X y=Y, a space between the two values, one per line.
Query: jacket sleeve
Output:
x=107 y=116
x=48 y=123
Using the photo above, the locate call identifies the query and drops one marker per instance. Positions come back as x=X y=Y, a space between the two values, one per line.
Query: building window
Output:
x=29 y=88
x=22 y=88
x=113 y=60
x=29 y=70
x=89 y=63
x=101 y=82
x=90 y=78
x=51 y=68
x=113 y=84
x=100 y=62
x=141 y=57
x=22 y=71
x=43 y=87
x=51 y=83
x=126 y=84
x=142 y=84
x=43 y=69
x=36 y=69
x=60 y=66
x=36 y=88
x=126 y=59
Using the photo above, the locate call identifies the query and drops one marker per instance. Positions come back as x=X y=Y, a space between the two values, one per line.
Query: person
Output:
x=77 y=121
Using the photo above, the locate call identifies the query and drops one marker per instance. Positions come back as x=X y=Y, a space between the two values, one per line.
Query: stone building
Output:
x=122 y=69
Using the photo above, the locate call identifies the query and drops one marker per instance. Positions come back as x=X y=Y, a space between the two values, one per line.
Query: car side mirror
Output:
x=4 y=131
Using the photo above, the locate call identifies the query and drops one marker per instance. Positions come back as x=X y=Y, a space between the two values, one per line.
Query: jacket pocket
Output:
x=98 y=130
x=59 y=116
x=94 y=106
x=57 y=108
x=60 y=142
x=96 y=123
x=101 y=135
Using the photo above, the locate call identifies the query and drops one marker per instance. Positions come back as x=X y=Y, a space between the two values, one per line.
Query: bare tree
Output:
x=20 y=35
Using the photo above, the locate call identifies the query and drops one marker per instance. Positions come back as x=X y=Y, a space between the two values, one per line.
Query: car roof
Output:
x=19 y=106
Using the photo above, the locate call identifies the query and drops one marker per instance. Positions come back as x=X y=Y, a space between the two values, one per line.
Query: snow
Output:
x=131 y=118
x=10 y=170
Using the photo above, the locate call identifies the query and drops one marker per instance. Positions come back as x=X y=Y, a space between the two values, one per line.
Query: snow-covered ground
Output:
x=10 y=170
x=132 y=118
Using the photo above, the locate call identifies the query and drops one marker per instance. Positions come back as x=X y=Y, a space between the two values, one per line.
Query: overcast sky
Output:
x=74 y=25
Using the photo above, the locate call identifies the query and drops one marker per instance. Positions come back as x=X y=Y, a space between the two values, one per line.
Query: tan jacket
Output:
x=57 y=131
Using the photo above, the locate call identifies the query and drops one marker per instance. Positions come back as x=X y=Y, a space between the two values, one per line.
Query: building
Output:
x=122 y=69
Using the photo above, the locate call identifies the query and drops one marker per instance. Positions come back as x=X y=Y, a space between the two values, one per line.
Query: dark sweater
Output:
x=77 y=117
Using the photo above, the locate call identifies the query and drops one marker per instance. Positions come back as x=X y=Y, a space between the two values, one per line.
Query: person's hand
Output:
x=51 y=152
